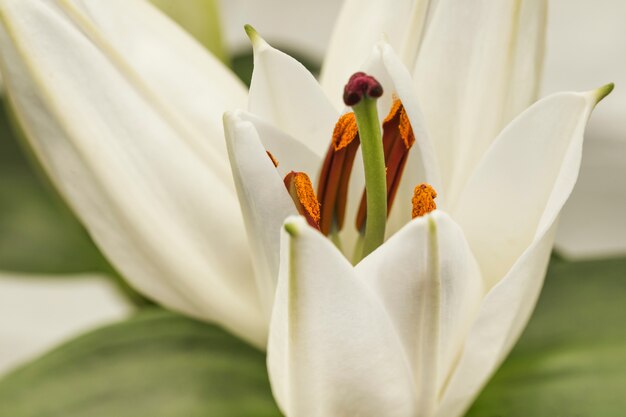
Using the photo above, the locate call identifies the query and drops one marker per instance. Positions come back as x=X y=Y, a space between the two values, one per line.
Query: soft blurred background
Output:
x=55 y=285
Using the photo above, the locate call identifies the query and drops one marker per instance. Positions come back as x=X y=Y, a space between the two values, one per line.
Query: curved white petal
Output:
x=188 y=85
x=502 y=318
x=422 y=165
x=333 y=350
x=265 y=203
x=525 y=178
x=149 y=200
x=358 y=28
x=479 y=66
x=291 y=154
x=430 y=284
x=286 y=94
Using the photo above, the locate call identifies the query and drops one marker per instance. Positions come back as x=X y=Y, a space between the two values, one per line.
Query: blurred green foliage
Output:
x=155 y=364
x=38 y=234
x=571 y=360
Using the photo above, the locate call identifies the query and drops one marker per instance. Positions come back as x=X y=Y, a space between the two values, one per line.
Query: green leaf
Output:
x=571 y=360
x=38 y=234
x=156 y=364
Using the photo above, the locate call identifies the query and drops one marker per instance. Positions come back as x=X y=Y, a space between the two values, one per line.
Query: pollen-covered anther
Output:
x=360 y=85
x=335 y=175
x=301 y=191
x=424 y=200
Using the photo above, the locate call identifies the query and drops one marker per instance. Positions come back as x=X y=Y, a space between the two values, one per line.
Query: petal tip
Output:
x=254 y=36
x=603 y=91
x=293 y=225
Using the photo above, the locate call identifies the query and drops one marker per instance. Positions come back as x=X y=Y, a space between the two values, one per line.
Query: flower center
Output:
x=384 y=159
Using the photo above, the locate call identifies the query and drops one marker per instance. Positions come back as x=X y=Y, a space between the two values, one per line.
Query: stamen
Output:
x=335 y=175
x=398 y=138
x=424 y=200
x=274 y=160
x=301 y=191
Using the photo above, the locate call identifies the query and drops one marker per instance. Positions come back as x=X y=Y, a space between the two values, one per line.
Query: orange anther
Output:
x=424 y=200
x=335 y=175
x=301 y=191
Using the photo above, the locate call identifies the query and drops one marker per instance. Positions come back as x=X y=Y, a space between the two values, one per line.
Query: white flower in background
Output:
x=124 y=111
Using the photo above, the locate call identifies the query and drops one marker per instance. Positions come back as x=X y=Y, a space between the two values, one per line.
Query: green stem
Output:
x=375 y=176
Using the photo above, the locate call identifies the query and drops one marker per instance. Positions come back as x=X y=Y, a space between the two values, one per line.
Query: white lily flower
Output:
x=124 y=111
x=418 y=326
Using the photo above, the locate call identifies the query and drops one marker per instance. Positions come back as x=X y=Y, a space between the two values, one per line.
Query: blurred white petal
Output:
x=360 y=25
x=125 y=164
x=39 y=312
x=479 y=67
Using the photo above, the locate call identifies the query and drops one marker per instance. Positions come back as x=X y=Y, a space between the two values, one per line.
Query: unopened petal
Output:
x=520 y=186
x=430 y=284
x=333 y=350
x=153 y=204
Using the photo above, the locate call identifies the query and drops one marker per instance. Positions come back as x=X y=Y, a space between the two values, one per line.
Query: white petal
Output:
x=290 y=153
x=525 y=178
x=286 y=94
x=503 y=315
x=593 y=224
x=149 y=200
x=265 y=203
x=332 y=349
x=479 y=66
x=360 y=26
x=37 y=312
x=429 y=282
x=188 y=84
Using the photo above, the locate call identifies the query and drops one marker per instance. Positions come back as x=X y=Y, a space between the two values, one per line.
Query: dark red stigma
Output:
x=359 y=85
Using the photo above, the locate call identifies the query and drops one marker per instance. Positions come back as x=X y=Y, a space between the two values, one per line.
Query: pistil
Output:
x=361 y=93
x=398 y=138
